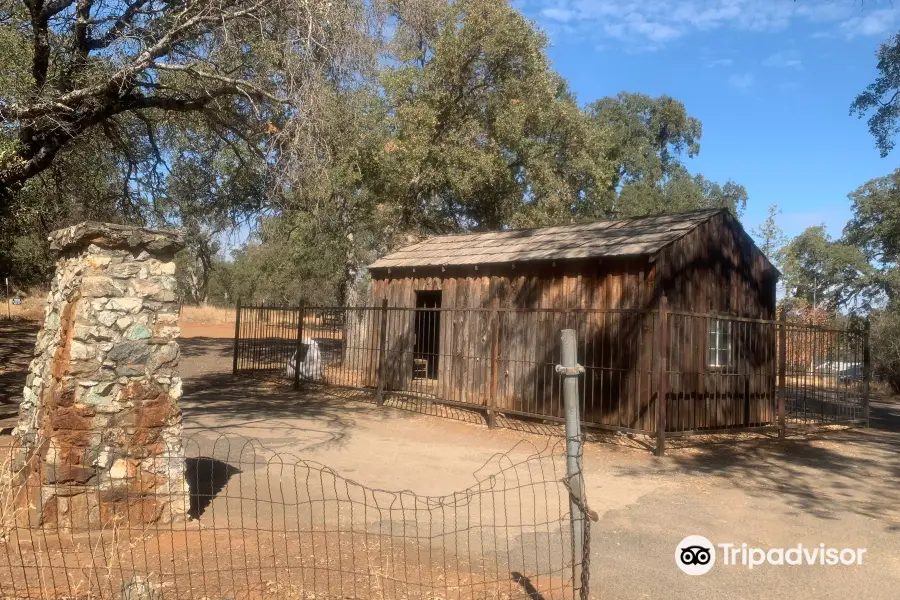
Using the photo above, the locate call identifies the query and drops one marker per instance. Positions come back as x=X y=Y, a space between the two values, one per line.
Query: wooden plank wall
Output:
x=717 y=269
x=614 y=347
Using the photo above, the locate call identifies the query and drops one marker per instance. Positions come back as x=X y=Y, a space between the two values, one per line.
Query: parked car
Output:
x=852 y=373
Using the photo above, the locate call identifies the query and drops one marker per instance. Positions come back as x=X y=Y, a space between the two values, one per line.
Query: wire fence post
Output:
x=382 y=354
x=782 y=373
x=662 y=386
x=867 y=370
x=237 y=337
x=298 y=352
x=495 y=364
x=570 y=371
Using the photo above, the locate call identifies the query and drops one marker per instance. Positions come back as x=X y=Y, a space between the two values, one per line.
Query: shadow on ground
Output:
x=827 y=475
x=206 y=477
x=17 y=340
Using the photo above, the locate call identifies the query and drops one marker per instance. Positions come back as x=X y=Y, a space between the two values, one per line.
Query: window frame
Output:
x=721 y=328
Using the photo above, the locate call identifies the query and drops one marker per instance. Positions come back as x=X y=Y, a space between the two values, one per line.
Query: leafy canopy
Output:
x=881 y=98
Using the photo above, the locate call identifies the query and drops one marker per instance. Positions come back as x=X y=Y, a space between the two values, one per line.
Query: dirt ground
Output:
x=841 y=489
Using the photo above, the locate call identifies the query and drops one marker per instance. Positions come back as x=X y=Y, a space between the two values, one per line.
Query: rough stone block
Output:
x=108 y=410
x=100 y=287
x=138 y=331
x=129 y=305
x=82 y=351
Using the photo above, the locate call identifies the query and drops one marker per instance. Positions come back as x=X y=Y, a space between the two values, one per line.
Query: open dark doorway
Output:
x=426 y=351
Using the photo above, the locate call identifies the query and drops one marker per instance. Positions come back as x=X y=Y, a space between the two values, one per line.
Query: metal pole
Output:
x=570 y=371
x=662 y=387
x=8 y=308
x=495 y=365
x=237 y=337
x=299 y=350
x=867 y=370
x=782 y=373
x=382 y=354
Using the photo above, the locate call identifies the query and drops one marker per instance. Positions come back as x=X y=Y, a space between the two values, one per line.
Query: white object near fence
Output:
x=311 y=367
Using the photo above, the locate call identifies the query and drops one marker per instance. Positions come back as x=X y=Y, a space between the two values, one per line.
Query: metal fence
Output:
x=715 y=372
x=266 y=524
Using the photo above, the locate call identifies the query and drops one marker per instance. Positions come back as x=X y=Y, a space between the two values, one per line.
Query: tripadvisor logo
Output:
x=696 y=555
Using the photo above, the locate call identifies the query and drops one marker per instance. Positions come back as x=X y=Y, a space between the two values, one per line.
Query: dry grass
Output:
x=31 y=309
x=206 y=315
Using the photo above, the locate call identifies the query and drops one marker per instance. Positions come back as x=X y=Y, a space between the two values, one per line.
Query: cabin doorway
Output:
x=426 y=349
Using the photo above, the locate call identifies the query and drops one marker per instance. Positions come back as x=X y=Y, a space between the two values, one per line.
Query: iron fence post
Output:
x=237 y=337
x=782 y=373
x=298 y=351
x=662 y=386
x=382 y=355
x=570 y=371
x=495 y=366
x=867 y=370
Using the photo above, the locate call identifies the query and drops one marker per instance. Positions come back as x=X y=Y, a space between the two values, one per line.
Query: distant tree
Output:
x=210 y=185
x=881 y=98
x=771 y=237
x=875 y=226
x=649 y=135
x=680 y=192
x=485 y=134
x=885 y=342
x=647 y=139
x=822 y=272
x=274 y=268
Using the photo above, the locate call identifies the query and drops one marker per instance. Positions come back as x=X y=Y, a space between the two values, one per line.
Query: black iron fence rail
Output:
x=715 y=373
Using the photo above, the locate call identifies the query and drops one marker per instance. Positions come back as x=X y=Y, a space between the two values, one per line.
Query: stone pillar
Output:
x=99 y=424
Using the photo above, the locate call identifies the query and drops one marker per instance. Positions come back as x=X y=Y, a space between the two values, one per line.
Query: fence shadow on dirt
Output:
x=268 y=524
x=863 y=467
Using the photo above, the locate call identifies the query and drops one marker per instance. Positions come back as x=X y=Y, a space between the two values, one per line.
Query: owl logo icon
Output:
x=695 y=555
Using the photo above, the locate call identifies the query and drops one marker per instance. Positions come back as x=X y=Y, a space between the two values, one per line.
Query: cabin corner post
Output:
x=782 y=373
x=382 y=355
x=298 y=351
x=237 y=337
x=662 y=386
x=867 y=371
x=495 y=364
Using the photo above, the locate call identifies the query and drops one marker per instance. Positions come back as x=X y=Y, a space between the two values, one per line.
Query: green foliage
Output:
x=274 y=268
x=771 y=237
x=211 y=182
x=648 y=137
x=680 y=192
x=821 y=271
x=885 y=344
x=119 y=65
x=461 y=125
x=875 y=226
x=883 y=97
x=484 y=133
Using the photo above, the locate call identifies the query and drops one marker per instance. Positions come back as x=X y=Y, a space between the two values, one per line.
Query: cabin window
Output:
x=719 y=353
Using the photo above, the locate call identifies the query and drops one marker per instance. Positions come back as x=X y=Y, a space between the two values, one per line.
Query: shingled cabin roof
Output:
x=615 y=238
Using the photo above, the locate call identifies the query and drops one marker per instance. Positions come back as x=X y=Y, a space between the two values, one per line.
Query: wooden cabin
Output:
x=605 y=279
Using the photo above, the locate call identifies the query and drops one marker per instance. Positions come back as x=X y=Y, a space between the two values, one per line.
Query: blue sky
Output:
x=771 y=81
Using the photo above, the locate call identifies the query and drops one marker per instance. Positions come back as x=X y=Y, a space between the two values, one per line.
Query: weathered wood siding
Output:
x=613 y=346
x=717 y=269
x=713 y=268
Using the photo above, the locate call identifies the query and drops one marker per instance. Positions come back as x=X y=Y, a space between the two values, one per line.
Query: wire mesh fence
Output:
x=262 y=524
x=718 y=373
